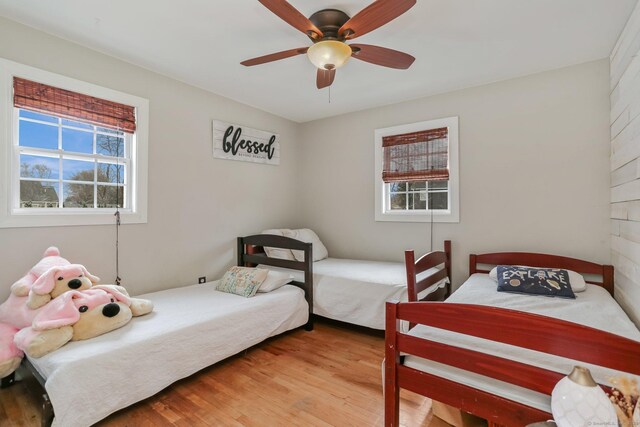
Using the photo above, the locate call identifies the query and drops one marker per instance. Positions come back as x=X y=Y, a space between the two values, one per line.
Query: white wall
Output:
x=197 y=204
x=534 y=172
x=625 y=166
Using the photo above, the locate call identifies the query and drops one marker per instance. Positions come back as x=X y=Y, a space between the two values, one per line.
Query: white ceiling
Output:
x=457 y=43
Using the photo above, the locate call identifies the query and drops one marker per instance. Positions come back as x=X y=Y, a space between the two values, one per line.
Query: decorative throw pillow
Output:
x=280 y=253
x=576 y=280
x=243 y=281
x=308 y=236
x=275 y=280
x=551 y=282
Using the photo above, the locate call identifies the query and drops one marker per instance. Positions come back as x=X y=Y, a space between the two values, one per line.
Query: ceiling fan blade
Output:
x=374 y=16
x=292 y=16
x=382 y=56
x=274 y=56
x=325 y=78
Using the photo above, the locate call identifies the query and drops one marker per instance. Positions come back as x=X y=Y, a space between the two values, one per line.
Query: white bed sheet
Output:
x=190 y=328
x=354 y=291
x=595 y=308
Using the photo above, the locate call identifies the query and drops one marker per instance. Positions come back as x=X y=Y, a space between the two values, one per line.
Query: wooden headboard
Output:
x=604 y=273
x=434 y=259
x=251 y=253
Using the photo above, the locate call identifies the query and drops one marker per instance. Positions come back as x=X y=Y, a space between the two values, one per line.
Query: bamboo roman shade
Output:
x=416 y=156
x=72 y=105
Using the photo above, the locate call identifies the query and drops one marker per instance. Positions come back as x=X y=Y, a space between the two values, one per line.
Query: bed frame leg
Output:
x=391 y=362
x=47 y=411
x=8 y=380
x=309 y=325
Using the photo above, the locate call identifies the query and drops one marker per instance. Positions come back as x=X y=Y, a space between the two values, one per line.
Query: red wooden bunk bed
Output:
x=528 y=331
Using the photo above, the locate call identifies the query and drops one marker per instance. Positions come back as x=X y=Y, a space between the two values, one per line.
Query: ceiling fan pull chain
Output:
x=329 y=94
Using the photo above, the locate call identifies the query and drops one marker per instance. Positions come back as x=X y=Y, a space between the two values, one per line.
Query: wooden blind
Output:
x=72 y=105
x=416 y=156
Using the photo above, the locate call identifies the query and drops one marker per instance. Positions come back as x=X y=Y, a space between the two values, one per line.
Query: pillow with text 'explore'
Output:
x=551 y=282
x=243 y=281
x=275 y=280
x=576 y=280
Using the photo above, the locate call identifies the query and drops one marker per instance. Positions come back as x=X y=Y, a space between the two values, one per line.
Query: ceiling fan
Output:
x=330 y=29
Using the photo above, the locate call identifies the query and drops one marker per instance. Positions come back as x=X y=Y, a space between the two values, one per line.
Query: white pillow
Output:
x=274 y=280
x=308 y=236
x=278 y=252
x=575 y=279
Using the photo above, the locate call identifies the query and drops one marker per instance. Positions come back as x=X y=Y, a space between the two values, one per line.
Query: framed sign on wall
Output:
x=236 y=142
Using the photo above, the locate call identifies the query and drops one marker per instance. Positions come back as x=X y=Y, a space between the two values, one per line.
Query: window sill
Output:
x=37 y=219
x=448 y=216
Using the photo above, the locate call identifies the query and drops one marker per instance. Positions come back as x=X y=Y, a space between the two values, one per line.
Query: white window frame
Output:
x=382 y=200
x=11 y=215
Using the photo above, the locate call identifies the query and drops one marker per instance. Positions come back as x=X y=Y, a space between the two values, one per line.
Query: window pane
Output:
x=39 y=167
x=81 y=125
x=78 y=195
x=110 y=196
x=110 y=145
x=111 y=131
x=108 y=172
x=438 y=185
x=38 y=135
x=77 y=141
x=38 y=116
x=37 y=194
x=418 y=185
x=439 y=200
x=399 y=201
x=398 y=186
x=417 y=201
x=77 y=170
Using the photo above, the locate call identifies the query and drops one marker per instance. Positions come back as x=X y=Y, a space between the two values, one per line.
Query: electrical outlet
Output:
x=202 y=279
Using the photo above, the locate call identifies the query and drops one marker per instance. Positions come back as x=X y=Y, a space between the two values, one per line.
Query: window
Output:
x=416 y=172
x=75 y=152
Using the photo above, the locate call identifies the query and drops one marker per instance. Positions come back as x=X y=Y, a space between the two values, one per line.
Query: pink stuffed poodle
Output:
x=79 y=315
x=51 y=258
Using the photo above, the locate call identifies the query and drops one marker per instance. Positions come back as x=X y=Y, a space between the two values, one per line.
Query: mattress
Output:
x=190 y=328
x=355 y=291
x=594 y=307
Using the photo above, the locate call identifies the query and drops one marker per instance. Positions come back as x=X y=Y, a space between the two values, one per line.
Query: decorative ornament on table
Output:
x=578 y=401
x=624 y=397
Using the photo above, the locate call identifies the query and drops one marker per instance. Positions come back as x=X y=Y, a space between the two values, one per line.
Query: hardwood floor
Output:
x=328 y=377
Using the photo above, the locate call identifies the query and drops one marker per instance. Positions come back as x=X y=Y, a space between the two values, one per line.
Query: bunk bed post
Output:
x=447 y=266
x=308 y=282
x=410 y=268
x=472 y=264
x=391 y=361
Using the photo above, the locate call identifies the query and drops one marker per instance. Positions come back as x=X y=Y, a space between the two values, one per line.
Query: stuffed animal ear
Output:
x=45 y=283
x=115 y=292
x=61 y=311
x=94 y=279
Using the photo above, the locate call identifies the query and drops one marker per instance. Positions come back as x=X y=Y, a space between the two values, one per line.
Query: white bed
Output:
x=355 y=291
x=594 y=307
x=88 y=380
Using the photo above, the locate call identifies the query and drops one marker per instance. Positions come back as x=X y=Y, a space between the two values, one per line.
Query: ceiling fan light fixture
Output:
x=329 y=54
